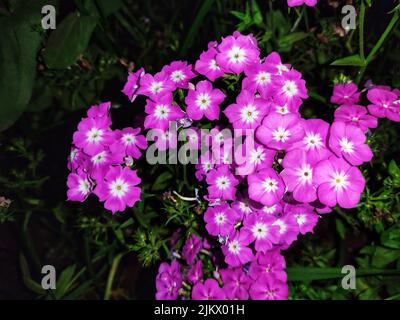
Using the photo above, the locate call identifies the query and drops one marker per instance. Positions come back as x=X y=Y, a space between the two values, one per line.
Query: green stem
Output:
x=111 y=275
x=361 y=28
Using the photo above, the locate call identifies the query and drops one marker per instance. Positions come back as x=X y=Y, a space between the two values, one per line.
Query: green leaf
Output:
x=162 y=181
x=257 y=15
x=286 y=42
x=20 y=39
x=194 y=29
x=340 y=228
x=384 y=256
x=394 y=170
x=352 y=61
x=69 y=40
x=391 y=237
x=26 y=277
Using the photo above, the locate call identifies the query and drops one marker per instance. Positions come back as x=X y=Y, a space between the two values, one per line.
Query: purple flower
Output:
x=288 y=229
x=280 y=131
x=266 y=186
x=79 y=186
x=195 y=273
x=99 y=164
x=345 y=93
x=118 y=189
x=295 y=3
x=269 y=288
x=75 y=159
x=161 y=111
x=93 y=135
x=348 y=141
x=204 y=101
x=290 y=89
x=191 y=248
x=384 y=104
x=154 y=86
x=251 y=157
x=315 y=140
x=210 y=290
x=260 y=228
x=338 y=182
x=356 y=115
x=101 y=110
x=305 y=217
x=221 y=183
x=130 y=141
x=270 y=263
x=236 y=52
x=298 y=176
x=236 y=284
x=220 y=220
x=236 y=251
x=179 y=73
x=247 y=112
x=132 y=84
x=207 y=64
x=168 y=281
x=259 y=78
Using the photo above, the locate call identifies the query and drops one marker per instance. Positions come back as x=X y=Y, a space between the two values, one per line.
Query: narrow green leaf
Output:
x=351 y=61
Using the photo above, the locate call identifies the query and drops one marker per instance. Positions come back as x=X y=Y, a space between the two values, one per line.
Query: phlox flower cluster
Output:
x=101 y=161
x=296 y=3
x=295 y=170
x=290 y=171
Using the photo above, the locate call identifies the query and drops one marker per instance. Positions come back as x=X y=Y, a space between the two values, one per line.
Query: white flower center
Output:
x=282 y=226
x=84 y=186
x=281 y=134
x=259 y=230
x=249 y=113
x=128 y=138
x=290 y=88
x=118 y=188
x=346 y=145
x=94 y=135
x=177 y=76
x=161 y=111
x=99 y=158
x=312 y=141
x=244 y=207
x=257 y=156
x=270 y=185
x=207 y=166
x=340 y=180
x=220 y=218
x=203 y=100
x=305 y=173
x=281 y=68
x=73 y=155
x=263 y=78
x=156 y=87
x=234 y=247
x=282 y=109
x=236 y=55
x=223 y=182
x=300 y=218
x=270 y=209
x=213 y=65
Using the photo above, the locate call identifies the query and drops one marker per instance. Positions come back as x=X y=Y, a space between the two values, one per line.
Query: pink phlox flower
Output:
x=179 y=73
x=130 y=141
x=168 y=281
x=191 y=248
x=270 y=263
x=236 y=250
x=209 y=290
x=131 y=86
x=221 y=183
x=154 y=86
x=356 y=115
x=266 y=187
x=195 y=273
x=204 y=101
x=220 y=220
x=348 y=141
x=118 y=189
x=280 y=131
x=345 y=93
x=269 y=288
x=236 y=284
x=79 y=186
x=305 y=216
x=384 y=104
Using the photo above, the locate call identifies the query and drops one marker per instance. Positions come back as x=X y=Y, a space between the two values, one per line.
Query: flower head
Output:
x=356 y=115
x=191 y=248
x=209 y=290
x=220 y=220
x=266 y=186
x=345 y=93
x=132 y=84
x=221 y=183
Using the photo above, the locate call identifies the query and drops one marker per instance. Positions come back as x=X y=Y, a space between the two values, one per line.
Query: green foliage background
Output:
x=49 y=78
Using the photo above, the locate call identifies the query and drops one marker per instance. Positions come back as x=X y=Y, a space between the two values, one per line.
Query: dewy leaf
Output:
x=69 y=40
x=352 y=61
x=20 y=39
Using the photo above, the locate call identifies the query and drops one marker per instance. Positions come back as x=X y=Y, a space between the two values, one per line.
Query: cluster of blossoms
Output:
x=265 y=185
x=101 y=159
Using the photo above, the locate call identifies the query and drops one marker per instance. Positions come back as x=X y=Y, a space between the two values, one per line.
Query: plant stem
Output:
x=361 y=42
x=111 y=275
